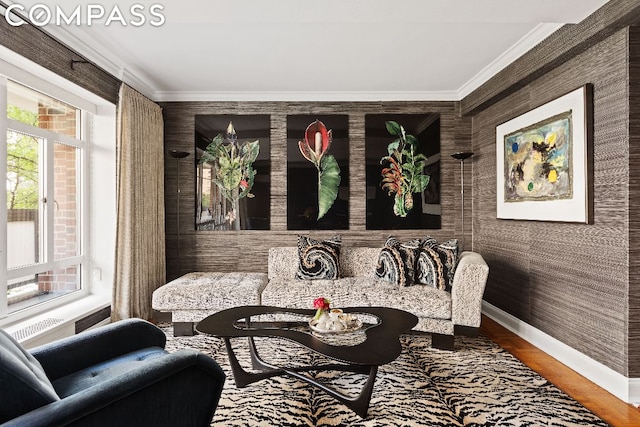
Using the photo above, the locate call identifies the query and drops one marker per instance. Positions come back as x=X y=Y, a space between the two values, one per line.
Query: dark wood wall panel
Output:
x=39 y=47
x=247 y=250
x=568 y=280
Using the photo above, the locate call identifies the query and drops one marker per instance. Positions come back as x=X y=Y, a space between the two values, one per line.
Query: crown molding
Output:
x=522 y=46
x=85 y=49
x=92 y=49
x=355 y=96
x=134 y=80
x=27 y=72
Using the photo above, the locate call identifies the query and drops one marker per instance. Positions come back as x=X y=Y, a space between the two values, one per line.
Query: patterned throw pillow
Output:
x=396 y=261
x=318 y=260
x=436 y=263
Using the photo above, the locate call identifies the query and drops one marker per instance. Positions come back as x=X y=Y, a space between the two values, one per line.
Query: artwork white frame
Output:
x=577 y=207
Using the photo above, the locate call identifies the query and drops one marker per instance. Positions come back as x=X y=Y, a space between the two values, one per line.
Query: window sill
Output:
x=56 y=323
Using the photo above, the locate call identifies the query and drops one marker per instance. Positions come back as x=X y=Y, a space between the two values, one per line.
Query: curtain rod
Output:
x=73 y=61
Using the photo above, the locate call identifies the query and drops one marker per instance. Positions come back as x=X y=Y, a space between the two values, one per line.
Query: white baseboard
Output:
x=624 y=388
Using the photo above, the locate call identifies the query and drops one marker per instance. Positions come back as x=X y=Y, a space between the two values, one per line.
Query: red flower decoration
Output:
x=321 y=303
x=317 y=141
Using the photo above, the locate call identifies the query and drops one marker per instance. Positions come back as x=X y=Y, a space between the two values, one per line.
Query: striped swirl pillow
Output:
x=436 y=263
x=318 y=259
x=396 y=261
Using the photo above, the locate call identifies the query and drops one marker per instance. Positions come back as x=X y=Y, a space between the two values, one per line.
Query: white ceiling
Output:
x=362 y=50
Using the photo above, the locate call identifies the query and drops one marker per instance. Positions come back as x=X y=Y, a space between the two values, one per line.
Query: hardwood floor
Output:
x=602 y=403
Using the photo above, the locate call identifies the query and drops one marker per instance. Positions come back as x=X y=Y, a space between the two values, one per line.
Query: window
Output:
x=45 y=176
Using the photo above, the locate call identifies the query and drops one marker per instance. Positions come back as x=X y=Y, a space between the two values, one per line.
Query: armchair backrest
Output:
x=24 y=386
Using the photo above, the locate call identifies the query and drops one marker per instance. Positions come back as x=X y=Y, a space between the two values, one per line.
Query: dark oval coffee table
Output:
x=380 y=344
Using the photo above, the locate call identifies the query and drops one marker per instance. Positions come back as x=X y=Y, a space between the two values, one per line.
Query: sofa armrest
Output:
x=181 y=388
x=91 y=347
x=469 y=281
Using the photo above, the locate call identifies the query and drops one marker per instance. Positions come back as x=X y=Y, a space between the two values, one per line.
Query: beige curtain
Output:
x=140 y=244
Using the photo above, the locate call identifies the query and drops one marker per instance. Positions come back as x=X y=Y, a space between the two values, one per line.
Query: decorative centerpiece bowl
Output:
x=328 y=320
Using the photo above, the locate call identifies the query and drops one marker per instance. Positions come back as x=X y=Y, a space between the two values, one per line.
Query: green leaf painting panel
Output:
x=317 y=172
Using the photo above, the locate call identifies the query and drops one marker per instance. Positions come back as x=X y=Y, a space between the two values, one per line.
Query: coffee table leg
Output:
x=242 y=378
x=359 y=404
x=256 y=360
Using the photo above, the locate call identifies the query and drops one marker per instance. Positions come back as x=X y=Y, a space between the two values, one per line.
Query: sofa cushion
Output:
x=283 y=262
x=210 y=290
x=436 y=263
x=355 y=261
x=24 y=385
x=422 y=301
x=396 y=261
x=318 y=259
x=358 y=261
x=302 y=293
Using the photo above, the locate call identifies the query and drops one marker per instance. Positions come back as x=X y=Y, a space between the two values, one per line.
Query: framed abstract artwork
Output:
x=543 y=160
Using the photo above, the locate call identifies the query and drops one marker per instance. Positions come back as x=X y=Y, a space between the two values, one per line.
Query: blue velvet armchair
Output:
x=116 y=375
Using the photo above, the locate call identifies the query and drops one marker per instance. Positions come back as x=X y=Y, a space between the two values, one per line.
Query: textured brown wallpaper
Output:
x=569 y=280
x=39 y=47
x=633 y=327
x=247 y=250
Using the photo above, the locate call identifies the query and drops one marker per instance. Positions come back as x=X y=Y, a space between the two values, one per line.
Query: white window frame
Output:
x=97 y=214
x=46 y=200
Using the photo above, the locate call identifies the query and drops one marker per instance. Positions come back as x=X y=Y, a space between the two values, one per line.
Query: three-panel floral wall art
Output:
x=233 y=171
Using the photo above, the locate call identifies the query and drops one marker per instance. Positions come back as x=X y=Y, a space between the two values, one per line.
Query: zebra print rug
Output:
x=479 y=384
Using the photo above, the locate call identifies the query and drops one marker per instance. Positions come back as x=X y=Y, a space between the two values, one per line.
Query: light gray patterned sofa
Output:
x=194 y=296
x=444 y=314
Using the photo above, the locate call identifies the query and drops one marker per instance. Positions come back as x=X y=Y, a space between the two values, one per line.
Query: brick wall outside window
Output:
x=62 y=120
